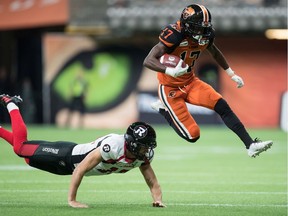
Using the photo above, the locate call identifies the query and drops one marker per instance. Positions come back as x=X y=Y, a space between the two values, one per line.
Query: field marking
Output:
x=139 y=191
x=181 y=204
x=15 y=167
x=97 y=181
x=226 y=205
x=25 y=167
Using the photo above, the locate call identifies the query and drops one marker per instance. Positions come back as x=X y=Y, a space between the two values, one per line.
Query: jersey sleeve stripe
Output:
x=166 y=43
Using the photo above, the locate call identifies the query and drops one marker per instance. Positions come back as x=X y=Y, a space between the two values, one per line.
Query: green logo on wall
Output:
x=106 y=77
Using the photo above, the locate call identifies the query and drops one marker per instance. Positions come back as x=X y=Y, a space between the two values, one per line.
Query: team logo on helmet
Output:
x=188 y=11
x=141 y=136
x=140 y=131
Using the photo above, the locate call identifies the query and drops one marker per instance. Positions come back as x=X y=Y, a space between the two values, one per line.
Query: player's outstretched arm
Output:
x=153 y=184
x=90 y=161
x=220 y=59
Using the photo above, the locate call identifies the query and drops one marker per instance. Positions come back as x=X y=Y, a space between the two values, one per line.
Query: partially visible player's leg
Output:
x=6 y=135
x=213 y=100
x=232 y=121
x=19 y=129
x=5 y=100
x=202 y=94
x=254 y=147
x=177 y=114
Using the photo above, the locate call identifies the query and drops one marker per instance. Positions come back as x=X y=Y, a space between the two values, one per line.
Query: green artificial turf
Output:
x=213 y=176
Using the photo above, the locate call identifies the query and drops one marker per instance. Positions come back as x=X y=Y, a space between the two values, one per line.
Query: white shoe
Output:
x=258 y=146
x=157 y=105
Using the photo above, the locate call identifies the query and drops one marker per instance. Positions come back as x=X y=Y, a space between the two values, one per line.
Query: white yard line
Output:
x=185 y=204
x=140 y=191
x=15 y=167
x=99 y=181
x=225 y=205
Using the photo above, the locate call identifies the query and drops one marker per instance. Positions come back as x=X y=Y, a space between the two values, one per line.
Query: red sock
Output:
x=19 y=130
x=20 y=135
x=6 y=135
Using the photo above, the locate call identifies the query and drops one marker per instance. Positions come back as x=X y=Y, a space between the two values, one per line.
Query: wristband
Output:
x=229 y=71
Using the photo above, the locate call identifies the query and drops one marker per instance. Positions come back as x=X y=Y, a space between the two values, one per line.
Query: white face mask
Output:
x=201 y=41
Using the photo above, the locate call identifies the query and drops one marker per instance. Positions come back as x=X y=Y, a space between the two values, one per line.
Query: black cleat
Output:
x=6 y=99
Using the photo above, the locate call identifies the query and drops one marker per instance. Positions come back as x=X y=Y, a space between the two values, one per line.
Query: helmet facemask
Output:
x=199 y=33
x=140 y=150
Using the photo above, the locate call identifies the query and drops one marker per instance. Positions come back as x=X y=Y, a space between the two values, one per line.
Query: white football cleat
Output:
x=157 y=105
x=258 y=146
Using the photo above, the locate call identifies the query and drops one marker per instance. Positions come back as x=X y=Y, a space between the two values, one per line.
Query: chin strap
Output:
x=200 y=40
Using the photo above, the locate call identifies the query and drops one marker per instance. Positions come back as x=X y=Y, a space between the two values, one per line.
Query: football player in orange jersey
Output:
x=188 y=38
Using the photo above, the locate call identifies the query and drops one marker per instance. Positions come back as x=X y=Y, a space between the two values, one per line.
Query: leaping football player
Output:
x=112 y=153
x=188 y=38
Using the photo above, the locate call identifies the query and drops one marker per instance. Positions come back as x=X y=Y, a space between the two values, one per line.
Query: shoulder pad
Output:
x=171 y=35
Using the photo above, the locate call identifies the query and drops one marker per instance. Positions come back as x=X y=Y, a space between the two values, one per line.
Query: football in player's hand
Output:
x=171 y=60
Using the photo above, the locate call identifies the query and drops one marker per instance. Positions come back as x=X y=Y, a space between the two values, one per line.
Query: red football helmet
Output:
x=196 y=22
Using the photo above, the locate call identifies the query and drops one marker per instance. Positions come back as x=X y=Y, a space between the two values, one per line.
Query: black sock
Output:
x=232 y=121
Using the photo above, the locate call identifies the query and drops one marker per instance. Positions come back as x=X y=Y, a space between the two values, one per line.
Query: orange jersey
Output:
x=188 y=50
